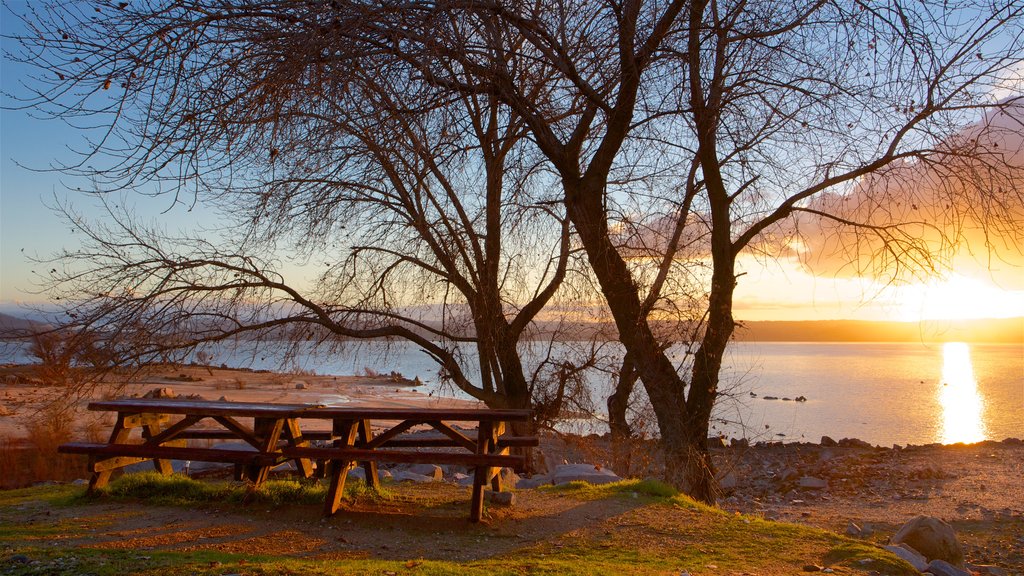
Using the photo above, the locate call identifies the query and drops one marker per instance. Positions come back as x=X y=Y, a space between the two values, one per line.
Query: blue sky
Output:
x=30 y=146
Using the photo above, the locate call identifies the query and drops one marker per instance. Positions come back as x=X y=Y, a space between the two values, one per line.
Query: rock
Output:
x=431 y=470
x=565 y=473
x=986 y=570
x=406 y=476
x=739 y=443
x=300 y=385
x=160 y=393
x=466 y=480
x=509 y=479
x=813 y=483
x=943 y=568
x=813 y=568
x=728 y=481
x=828 y=442
x=854 y=443
x=458 y=477
x=357 y=473
x=910 y=555
x=933 y=538
x=503 y=498
x=18 y=559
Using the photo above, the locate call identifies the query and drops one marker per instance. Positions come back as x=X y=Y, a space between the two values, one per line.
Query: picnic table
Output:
x=275 y=433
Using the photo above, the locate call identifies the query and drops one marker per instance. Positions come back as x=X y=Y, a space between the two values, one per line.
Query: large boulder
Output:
x=933 y=538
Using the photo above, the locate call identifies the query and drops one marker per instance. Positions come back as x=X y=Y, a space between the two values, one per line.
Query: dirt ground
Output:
x=861 y=491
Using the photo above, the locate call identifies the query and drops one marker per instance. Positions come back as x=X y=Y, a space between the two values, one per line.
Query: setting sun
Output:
x=958 y=298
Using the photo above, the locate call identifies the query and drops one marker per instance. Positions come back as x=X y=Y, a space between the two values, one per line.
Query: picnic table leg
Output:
x=345 y=433
x=162 y=465
x=495 y=473
x=294 y=436
x=486 y=440
x=118 y=435
x=268 y=430
x=369 y=466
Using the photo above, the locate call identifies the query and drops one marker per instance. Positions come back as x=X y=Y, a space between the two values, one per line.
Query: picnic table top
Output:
x=268 y=410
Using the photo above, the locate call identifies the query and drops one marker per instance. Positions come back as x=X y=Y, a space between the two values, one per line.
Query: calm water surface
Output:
x=884 y=393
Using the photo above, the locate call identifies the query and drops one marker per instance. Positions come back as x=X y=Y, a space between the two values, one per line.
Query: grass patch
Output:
x=58 y=494
x=628 y=488
x=178 y=490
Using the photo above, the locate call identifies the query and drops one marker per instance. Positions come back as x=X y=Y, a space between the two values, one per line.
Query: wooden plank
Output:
x=421 y=414
x=147 y=451
x=295 y=437
x=369 y=466
x=346 y=431
x=240 y=431
x=455 y=435
x=204 y=407
x=383 y=438
x=102 y=464
x=407 y=457
x=146 y=419
x=174 y=430
x=220 y=434
x=268 y=431
x=118 y=435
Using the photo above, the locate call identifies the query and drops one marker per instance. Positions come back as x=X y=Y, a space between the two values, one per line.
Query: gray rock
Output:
x=406 y=476
x=728 y=481
x=933 y=538
x=943 y=568
x=565 y=473
x=910 y=555
x=986 y=569
x=503 y=498
x=828 y=442
x=79 y=482
x=812 y=483
x=464 y=480
x=357 y=473
x=509 y=479
x=431 y=470
x=300 y=385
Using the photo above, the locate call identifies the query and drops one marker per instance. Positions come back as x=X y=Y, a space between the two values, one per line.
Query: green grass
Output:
x=623 y=488
x=655 y=531
x=177 y=490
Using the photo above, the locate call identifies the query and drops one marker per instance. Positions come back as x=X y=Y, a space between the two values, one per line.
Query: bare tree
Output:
x=428 y=216
x=680 y=133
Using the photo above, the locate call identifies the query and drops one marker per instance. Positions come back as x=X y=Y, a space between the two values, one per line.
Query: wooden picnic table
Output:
x=276 y=435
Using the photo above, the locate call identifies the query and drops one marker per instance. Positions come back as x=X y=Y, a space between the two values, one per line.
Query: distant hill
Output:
x=17 y=326
x=1002 y=330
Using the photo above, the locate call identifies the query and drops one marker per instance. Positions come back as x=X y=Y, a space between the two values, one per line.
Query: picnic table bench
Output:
x=276 y=435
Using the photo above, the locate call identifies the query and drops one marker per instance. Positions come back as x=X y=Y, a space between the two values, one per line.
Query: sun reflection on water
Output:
x=959 y=397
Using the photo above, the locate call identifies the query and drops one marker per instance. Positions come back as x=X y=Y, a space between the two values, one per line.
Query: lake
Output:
x=883 y=393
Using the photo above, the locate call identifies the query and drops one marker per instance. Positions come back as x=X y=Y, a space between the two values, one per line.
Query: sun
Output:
x=958 y=297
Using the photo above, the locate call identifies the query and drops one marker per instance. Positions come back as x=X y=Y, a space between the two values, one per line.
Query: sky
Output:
x=776 y=289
